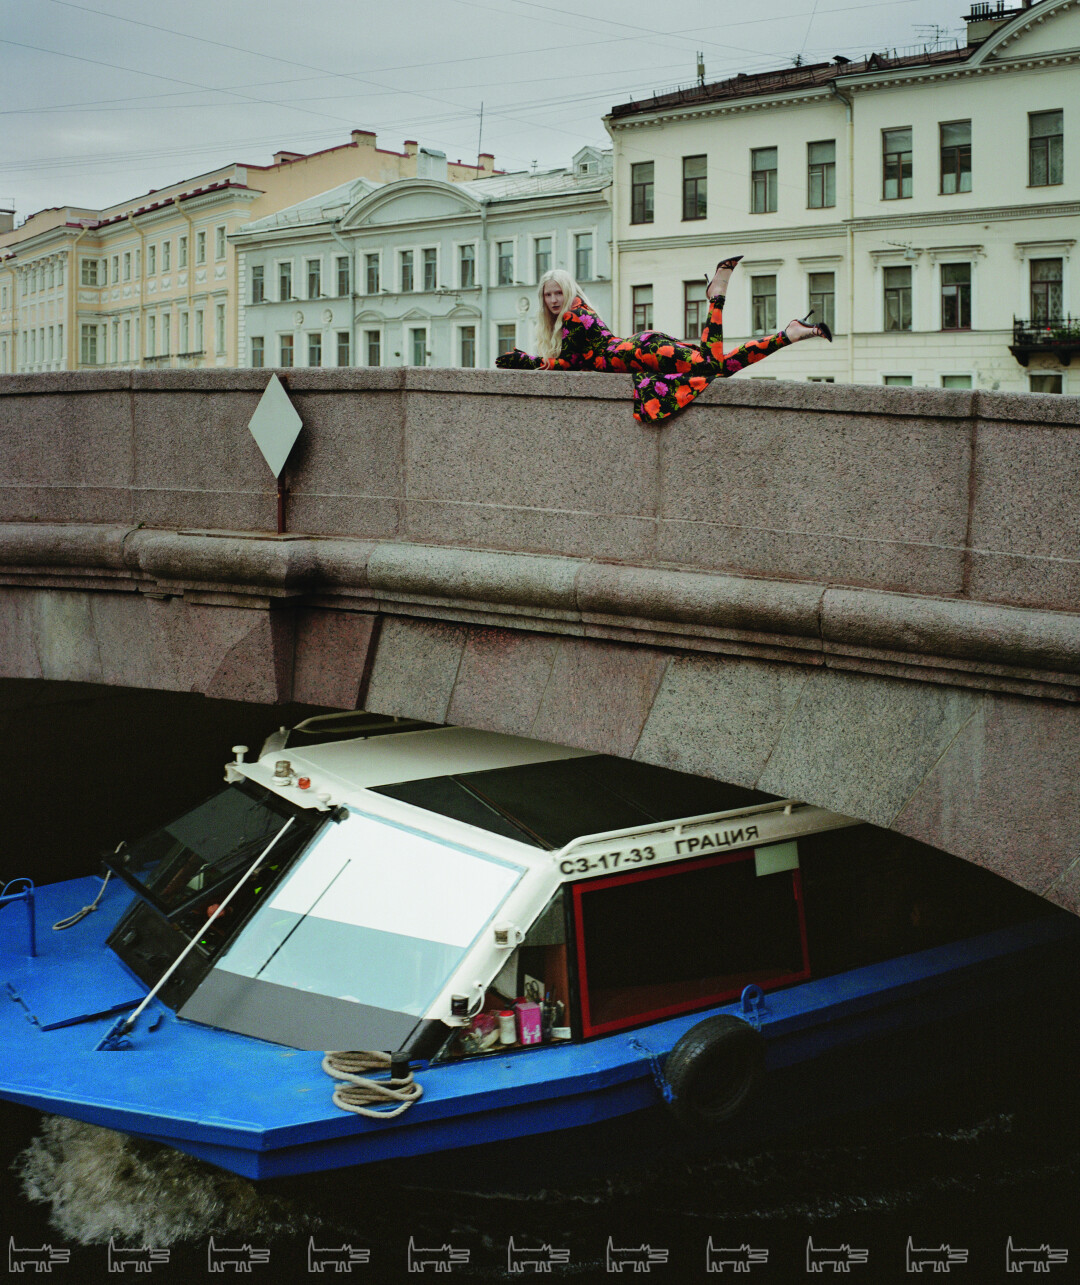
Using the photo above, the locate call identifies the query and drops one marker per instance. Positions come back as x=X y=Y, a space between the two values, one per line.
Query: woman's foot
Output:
x=720 y=278
x=796 y=329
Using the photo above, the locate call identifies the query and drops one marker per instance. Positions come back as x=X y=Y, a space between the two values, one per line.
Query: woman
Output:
x=668 y=374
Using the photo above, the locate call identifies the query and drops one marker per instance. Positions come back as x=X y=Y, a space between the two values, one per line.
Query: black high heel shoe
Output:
x=724 y=263
x=820 y=328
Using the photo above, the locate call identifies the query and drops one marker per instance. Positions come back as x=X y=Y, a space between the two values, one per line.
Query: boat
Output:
x=384 y=940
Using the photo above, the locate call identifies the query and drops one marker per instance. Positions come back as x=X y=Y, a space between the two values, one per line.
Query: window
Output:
x=895 y=164
x=763 y=180
x=200 y=341
x=371 y=273
x=897 y=298
x=406 y=264
x=286 y=350
x=373 y=345
x=956 y=296
x=823 y=297
x=541 y=256
x=166 y=255
x=258 y=283
x=258 y=351
x=643 y=301
x=418 y=345
x=763 y=304
x=344 y=278
x=431 y=268
x=467 y=266
x=897 y=381
x=956 y=381
x=583 y=268
x=151 y=336
x=219 y=328
x=1045 y=383
x=115 y=268
x=285 y=281
x=821 y=379
x=127 y=340
x=88 y=345
x=314 y=350
x=506 y=339
x=641 y=192
x=88 y=272
x=821 y=174
x=956 y=157
x=1046 y=149
x=314 y=279
x=166 y=322
x=468 y=346
x=151 y=260
x=344 y=347
x=185 y=329
x=694 y=184
x=505 y=253
x=695 y=309
x=1046 y=292
x=716 y=925
x=200 y=247
x=219 y=243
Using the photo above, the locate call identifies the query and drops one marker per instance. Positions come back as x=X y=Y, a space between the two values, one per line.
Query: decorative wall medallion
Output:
x=328 y=317
x=298 y=318
x=523 y=305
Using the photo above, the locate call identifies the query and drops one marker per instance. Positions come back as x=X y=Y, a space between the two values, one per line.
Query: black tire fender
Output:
x=713 y=1071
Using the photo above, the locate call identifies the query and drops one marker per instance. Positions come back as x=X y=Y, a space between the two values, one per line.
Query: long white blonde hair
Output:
x=549 y=328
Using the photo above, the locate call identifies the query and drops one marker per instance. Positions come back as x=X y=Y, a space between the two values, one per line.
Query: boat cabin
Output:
x=448 y=893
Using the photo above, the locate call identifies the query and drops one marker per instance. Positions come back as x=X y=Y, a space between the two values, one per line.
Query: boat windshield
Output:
x=370 y=924
x=204 y=851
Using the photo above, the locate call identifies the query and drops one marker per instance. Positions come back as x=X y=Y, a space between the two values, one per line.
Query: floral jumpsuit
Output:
x=668 y=374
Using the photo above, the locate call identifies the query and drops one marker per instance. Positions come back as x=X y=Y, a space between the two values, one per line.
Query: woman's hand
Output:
x=515 y=359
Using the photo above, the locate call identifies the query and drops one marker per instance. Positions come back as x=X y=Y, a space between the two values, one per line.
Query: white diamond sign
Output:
x=275 y=426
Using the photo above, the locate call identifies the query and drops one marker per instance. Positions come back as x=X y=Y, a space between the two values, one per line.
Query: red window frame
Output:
x=670 y=870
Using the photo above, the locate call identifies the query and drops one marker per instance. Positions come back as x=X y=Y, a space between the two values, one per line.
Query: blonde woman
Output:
x=668 y=374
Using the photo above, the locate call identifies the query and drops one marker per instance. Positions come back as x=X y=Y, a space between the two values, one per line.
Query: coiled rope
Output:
x=79 y=915
x=358 y=1088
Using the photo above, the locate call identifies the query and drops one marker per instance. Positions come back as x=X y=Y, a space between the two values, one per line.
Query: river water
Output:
x=966 y=1166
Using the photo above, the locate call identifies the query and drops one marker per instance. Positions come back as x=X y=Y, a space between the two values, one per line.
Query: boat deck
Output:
x=261 y=1109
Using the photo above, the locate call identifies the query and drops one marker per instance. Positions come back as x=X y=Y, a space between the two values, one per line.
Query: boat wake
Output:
x=99 y=1183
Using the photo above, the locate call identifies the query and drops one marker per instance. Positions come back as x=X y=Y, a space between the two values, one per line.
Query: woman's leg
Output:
x=712 y=344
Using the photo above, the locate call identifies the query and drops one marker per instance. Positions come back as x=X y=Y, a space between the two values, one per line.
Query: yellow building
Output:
x=152 y=281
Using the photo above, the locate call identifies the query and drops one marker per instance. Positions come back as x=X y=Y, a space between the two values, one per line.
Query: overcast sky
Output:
x=101 y=102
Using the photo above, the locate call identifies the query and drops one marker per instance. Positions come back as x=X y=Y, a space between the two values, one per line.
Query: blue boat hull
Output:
x=263 y=1111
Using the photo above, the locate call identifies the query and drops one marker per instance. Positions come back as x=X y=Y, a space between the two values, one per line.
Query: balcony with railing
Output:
x=1056 y=336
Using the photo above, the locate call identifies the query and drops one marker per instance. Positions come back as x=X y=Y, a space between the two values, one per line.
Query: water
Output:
x=965 y=1167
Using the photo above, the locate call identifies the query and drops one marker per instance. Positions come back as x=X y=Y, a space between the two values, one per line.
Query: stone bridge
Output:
x=863 y=597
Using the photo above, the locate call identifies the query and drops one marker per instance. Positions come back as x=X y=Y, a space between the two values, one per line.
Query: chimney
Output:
x=431 y=164
x=410 y=147
x=285 y=158
x=7 y=219
x=363 y=137
x=486 y=161
x=987 y=15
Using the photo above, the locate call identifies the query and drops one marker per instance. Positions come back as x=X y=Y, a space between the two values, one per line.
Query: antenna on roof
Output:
x=701 y=67
x=480 y=136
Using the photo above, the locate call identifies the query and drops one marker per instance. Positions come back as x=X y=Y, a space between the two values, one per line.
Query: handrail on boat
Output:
x=676 y=827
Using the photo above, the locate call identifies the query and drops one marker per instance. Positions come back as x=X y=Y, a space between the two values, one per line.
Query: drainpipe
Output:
x=354 y=350
x=485 y=268
x=848 y=106
x=616 y=292
x=142 y=279
x=72 y=304
x=190 y=271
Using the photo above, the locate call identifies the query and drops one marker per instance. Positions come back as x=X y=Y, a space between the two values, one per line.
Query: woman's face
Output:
x=554 y=298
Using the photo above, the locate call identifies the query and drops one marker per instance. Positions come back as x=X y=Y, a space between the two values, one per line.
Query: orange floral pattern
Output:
x=661 y=366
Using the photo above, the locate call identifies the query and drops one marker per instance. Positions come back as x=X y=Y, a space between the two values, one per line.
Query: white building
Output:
x=420 y=272
x=926 y=207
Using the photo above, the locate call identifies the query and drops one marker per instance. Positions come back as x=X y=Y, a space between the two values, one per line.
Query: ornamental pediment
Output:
x=410 y=201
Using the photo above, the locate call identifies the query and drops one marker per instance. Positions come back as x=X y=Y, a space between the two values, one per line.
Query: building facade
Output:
x=152 y=281
x=926 y=207
x=420 y=271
